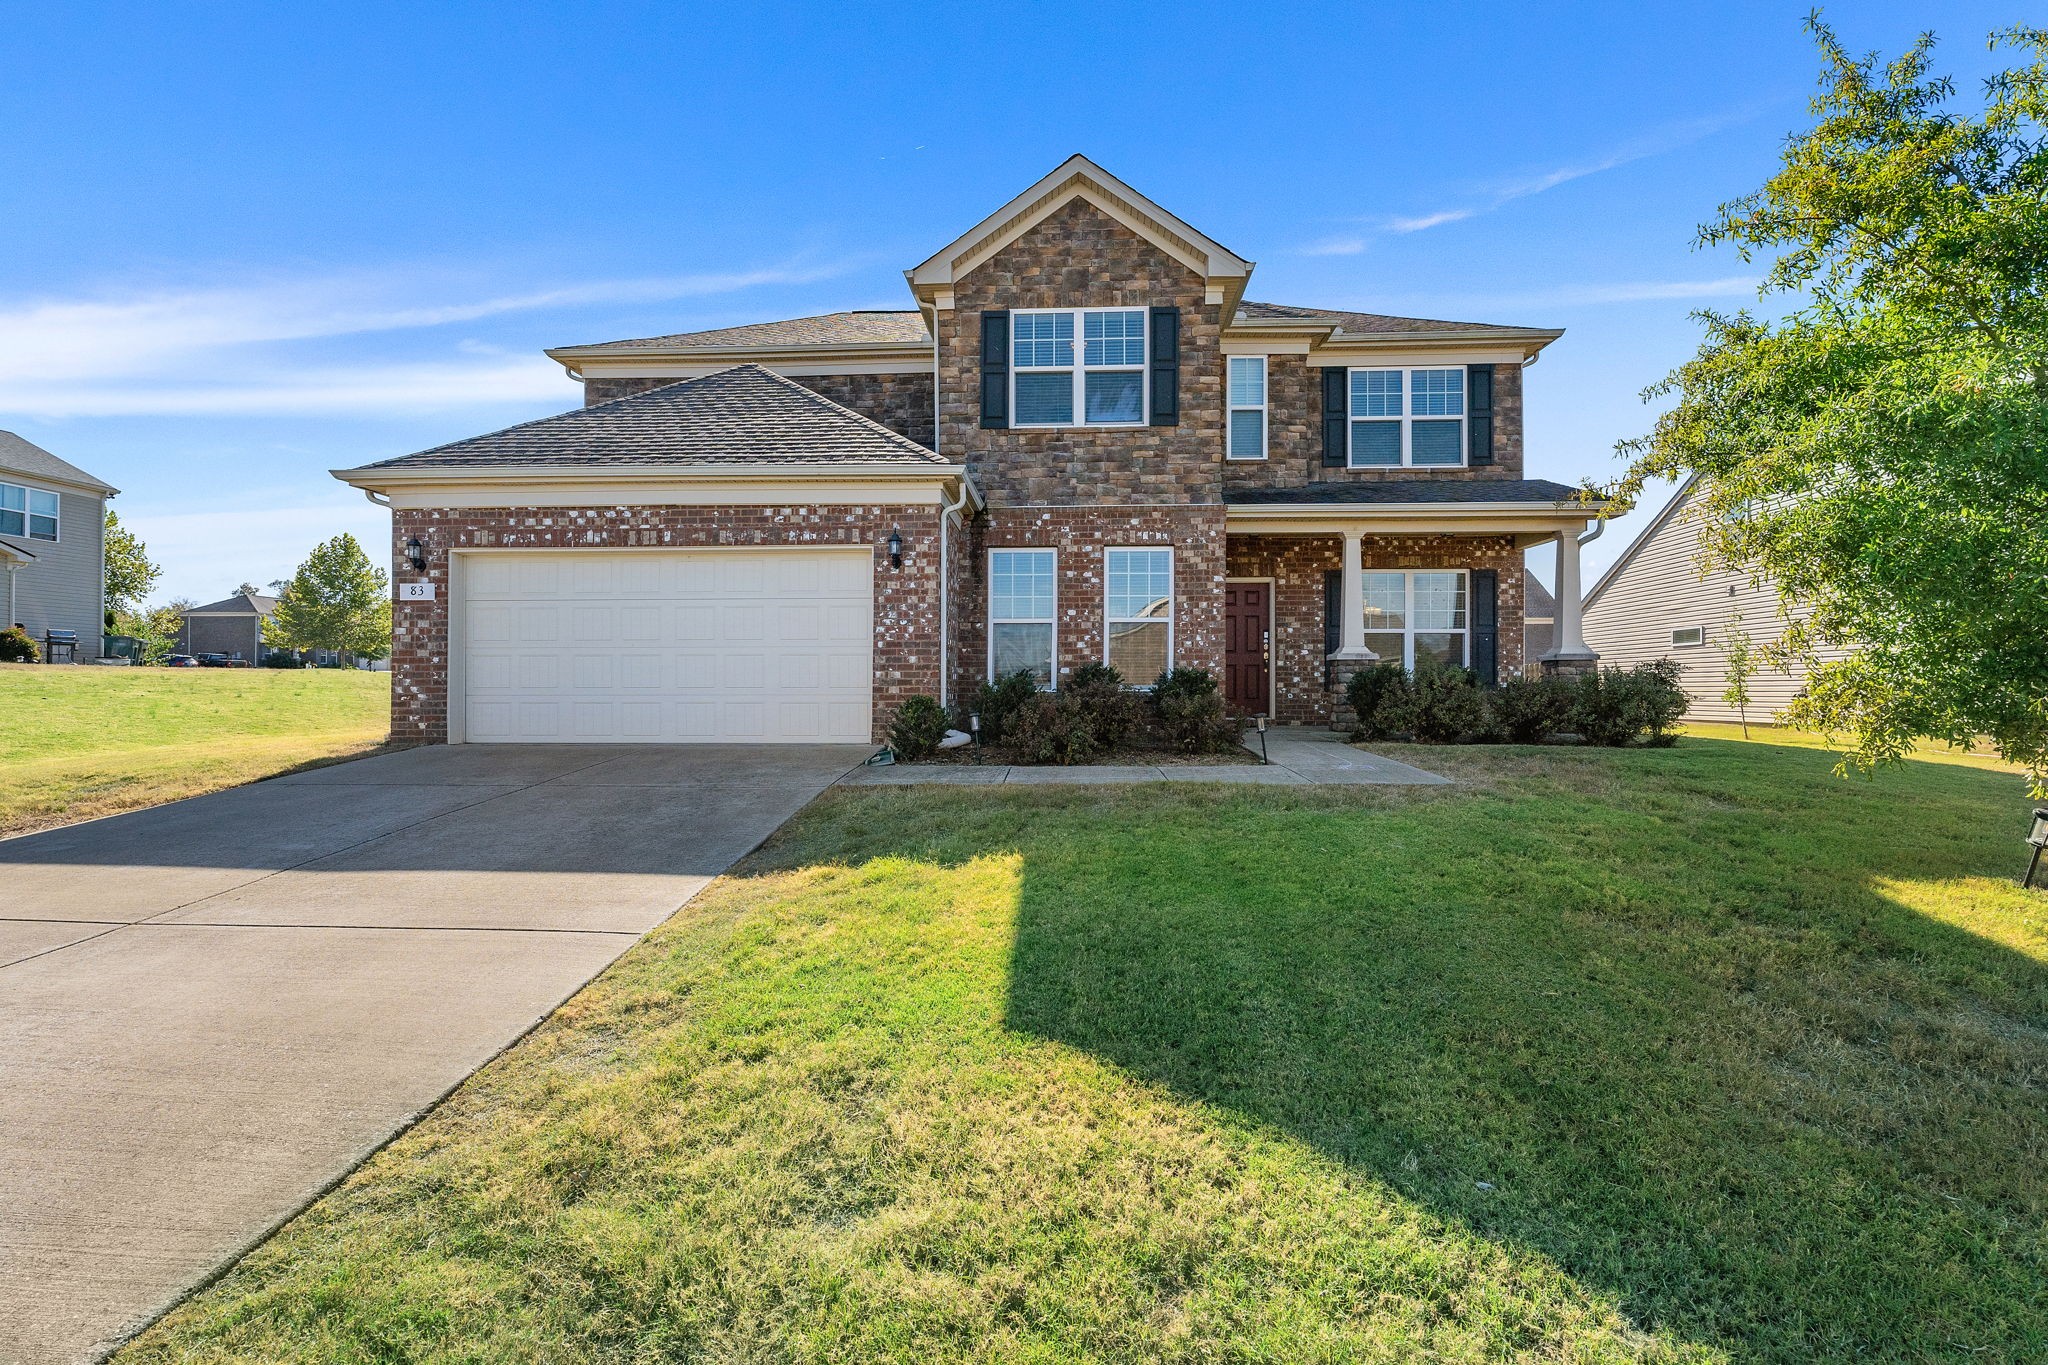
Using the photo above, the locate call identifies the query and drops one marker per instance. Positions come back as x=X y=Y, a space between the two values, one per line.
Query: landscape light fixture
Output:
x=416 y=554
x=974 y=727
x=2038 y=837
x=896 y=548
x=1261 y=722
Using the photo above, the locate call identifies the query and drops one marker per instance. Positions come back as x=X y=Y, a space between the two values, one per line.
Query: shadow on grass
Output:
x=1673 y=1041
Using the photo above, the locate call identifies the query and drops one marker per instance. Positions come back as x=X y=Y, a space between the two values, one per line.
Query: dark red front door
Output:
x=1247 y=628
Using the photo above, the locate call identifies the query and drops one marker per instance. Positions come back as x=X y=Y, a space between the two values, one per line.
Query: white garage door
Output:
x=667 y=647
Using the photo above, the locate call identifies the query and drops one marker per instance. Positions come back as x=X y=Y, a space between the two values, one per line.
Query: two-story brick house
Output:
x=1081 y=444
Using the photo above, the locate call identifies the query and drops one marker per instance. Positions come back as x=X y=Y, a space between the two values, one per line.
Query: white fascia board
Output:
x=1449 y=518
x=650 y=485
x=1510 y=345
x=1076 y=176
x=697 y=366
x=1463 y=353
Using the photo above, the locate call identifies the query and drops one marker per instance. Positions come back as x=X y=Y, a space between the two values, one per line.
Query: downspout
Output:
x=950 y=513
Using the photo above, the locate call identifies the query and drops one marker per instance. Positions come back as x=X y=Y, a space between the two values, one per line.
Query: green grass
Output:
x=1696 y=1054
x=76 y=743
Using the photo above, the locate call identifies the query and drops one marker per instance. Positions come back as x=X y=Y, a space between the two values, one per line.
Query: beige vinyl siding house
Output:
x=1655 y=603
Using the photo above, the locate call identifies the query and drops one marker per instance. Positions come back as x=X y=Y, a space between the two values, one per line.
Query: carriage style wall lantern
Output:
x=896 y=548
x=416 y=554
x=2038 y=837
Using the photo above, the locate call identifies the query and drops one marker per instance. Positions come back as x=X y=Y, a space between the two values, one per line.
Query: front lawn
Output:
x=77 y=743
x=1695 y=1054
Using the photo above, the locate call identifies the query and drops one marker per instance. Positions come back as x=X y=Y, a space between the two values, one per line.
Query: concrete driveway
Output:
x=211 y=1010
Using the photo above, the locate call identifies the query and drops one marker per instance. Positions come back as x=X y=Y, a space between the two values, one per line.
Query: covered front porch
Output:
x=1323 y=580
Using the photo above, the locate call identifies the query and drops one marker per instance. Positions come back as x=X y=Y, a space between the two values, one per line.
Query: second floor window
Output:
x=1407 y=417
x=27 y=512
x=1247 y=407
x=1098 y=382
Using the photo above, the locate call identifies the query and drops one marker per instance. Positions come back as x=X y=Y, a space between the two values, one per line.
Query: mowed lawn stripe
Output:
x=1694 y=1054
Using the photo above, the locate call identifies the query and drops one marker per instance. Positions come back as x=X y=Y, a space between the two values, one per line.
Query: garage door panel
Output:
x=725 y=645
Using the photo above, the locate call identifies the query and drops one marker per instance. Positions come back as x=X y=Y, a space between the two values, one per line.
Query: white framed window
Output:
x=1688 y=635
x=1099 y=383
x=1247 y=408
x=1137 y=617
x=28 y=512
x=1417 y=614
x=1408 y=418
x=1021 y=598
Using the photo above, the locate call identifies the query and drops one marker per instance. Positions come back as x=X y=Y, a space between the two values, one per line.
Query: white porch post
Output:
x=1351 y=629
x=1570 y=643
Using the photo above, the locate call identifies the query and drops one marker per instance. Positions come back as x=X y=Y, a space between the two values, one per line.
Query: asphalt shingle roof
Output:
x=241 y=604
x=25 y=457
x=866 y=326
x=1407 y=490
x=736 y=416
x=1358 y=324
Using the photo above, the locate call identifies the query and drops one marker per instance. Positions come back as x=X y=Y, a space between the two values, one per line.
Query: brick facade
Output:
x=906 y=599
x=1297 y=564
x=900 y=402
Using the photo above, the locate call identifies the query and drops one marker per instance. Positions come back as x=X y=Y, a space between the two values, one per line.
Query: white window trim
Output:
x=1408 y=419
x=1053 y=669
x=1677 y=631
x=28 y=491
x=1172 y=605
x=1408 y=630
x=1262 y=408
x=1081 y=369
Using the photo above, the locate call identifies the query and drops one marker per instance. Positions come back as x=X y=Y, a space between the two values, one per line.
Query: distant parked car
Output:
x=212 y=660
x=180 y=661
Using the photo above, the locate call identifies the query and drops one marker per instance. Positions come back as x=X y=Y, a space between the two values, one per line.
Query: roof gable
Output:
x=31 y=461
x=1078 y=178
x=1664 y=517
x=856 y=327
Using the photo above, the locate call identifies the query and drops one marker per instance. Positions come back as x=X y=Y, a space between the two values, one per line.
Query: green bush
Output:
x=1618 y=706
x=1092 y=675
x=17 y=648
x=1192 y=717
x=919 y=726
x=996 y=702
x=1530 y=710
x=1374 y=692
x=1112 y=711
x=1440 y=705
x=1054 y=728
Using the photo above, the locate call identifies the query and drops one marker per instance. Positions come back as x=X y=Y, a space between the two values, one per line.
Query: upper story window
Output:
x=1106 y=387
x=27 y=512
x=1407 y=417
x=1247 y=407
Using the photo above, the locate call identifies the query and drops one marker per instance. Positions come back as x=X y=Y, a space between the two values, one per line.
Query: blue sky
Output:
x=243 y=245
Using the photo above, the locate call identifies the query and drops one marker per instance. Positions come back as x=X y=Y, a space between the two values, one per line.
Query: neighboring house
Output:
x=1082 y=443
x=53 y=528
x=1655 y=603
x=232 y=626
x=1539 y=620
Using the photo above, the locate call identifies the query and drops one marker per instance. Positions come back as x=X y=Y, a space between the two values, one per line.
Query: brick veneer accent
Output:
x=900 y=402
x=906 y=656
x=1080 y=535
x=1079 y=257
x=1294 y=444
x=1296 y=564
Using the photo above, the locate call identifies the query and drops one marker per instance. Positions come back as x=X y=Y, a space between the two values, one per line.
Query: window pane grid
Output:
x=1375 y=393
x=1113 y=338
x=1439 y=393
x=1101 y=385
x=1043 y=339
x=1247 y=381
x=1020 y=609
x=1138 y=612
x=1426 y=428
x=1412 y=616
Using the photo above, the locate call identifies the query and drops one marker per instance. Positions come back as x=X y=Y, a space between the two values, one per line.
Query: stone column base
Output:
x=1342 y=670
x=1569 y=666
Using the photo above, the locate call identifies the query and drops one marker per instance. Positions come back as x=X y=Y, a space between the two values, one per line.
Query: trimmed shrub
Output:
x=1050 y=729
x=1375 y=692
x=996 y=702
x=919 y=725
x=1441 y=705
x=1112 y=711
x=1530 y=710
x=1093 y=674
x=1619 y=706
x=1192 y=717
x=17 y=648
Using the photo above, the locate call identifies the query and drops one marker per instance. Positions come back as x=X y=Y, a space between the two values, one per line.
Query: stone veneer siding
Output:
x=1296 y=564
x=906 y=658
x=1294 y=441
x=900 y=402
x=1080 y=535
x=1079 y=257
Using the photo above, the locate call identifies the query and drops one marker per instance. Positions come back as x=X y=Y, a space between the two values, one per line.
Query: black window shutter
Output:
x=1479 y=414
x=995 y=368
x=1166 y=367
x=1336 y=396
x=1486 y=626
x=1333 y=619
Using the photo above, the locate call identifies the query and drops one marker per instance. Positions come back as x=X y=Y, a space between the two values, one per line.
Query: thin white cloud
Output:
x=1429 y=220
x=1335 y=246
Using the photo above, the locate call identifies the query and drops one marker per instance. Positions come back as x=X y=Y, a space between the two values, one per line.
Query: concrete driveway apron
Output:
x=212 y=1010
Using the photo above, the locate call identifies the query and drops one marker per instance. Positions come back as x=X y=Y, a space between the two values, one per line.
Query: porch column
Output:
x=1351 y=628
x=1568 y=652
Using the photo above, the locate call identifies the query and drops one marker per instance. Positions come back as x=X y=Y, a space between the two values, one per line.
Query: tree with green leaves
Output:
x=337 y=600
x=130 y=575
x=1888 y=435
x=1740 y=662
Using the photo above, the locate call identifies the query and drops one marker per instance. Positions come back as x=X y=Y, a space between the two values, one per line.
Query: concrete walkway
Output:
x=1298 y=757
x=211 y=1010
